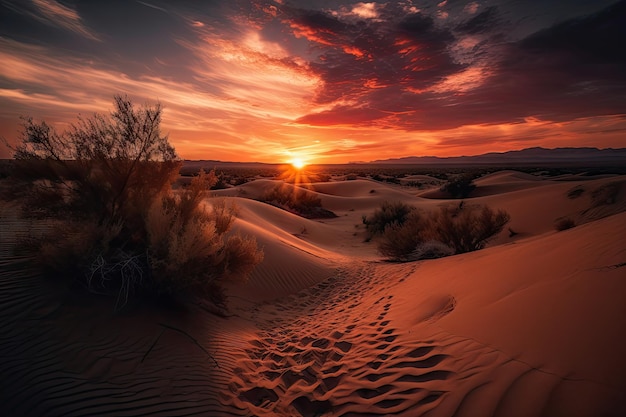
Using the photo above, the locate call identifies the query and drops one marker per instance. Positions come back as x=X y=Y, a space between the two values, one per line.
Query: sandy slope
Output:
x=531 y=326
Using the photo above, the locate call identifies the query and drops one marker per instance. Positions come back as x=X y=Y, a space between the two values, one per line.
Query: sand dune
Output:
x=531 y=326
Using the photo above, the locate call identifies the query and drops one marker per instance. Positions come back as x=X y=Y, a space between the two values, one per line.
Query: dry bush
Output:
x=401 y=238
x=564 y=224
x=191 y=255
x=432 y=249
x=297 y=201
x=107 y=182
x=389 y=213
x=605 y=194
x=575 y=192
x=468 y=228
x=412 y=235
x=460 y=186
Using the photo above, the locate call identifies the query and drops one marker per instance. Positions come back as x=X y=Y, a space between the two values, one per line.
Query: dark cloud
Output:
x=597 y=39
x=483 y=22
x=574 y=69
x=571 y=70
x=361 y=60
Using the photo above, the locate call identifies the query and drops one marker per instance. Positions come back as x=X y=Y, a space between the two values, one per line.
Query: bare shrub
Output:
x=298 y=201
x=444 y=232
x=188 y=251
x=240 y=256
x=432 y=249
x=564 y=224
x=605 y=194
x=468 y=228
x=389 y=213
x=122 y=230
x=460 y=186
x=405 y=240
x=575 y=192
x=107 y=167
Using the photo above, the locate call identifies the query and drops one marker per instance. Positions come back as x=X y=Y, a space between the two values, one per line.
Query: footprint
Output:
x=367 y=393
x=420 y=351
x=307 y=407
x=343 y=346
x=258 y=396
x=436 y=307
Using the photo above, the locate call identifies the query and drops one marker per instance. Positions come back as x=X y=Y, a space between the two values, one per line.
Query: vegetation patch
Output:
x=406 y=233
x=564 y=224
x=575 y=192
x=461 y=185
x=298 y=201
x=120 y=228
x=605 y=194
x=387 y=215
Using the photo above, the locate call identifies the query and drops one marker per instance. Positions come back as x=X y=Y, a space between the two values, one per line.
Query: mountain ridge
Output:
x=527 y=155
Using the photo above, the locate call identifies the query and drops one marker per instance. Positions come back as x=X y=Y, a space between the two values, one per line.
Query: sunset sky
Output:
x=326 y=81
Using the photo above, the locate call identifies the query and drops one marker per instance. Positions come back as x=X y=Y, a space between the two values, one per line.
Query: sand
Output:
x=532 y=325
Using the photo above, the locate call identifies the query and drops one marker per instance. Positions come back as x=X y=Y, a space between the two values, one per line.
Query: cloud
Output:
x=422 y=79
x=471 y=8
x=239 y=88
x=355 y=58
x=53 y=13
x=483 y=22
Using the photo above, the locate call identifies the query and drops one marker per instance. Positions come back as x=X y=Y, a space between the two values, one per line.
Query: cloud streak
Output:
x=55 y=14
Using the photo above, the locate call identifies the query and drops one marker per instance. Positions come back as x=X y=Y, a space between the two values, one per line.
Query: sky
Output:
x=325 y=81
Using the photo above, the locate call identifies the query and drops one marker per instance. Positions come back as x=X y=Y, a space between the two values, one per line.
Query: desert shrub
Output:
x=605 y=194
x=468 y=228
x=432 y=249
x=121 y=229
x=298 y=201
x=575 y=192
x=389 y=213
x=460 y=186
x=444 y=232
x=400 y=240
x=188 y=250
x=564 y=224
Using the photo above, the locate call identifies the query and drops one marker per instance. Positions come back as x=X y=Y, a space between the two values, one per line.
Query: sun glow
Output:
x=298 y=163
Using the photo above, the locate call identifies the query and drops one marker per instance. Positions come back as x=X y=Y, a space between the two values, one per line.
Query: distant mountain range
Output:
x=530 y=156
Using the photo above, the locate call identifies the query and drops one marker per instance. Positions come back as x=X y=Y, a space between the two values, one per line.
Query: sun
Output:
x=298 y=163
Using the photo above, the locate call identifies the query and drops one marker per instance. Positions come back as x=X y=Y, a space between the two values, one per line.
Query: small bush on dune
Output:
x=122 y=229
x=466 y=228
x=401 y=240
x=575 y=192
x=297 y=200
x=605 y=194
x=564 y=224
x=444 y=232
x=389 y=213
x=460 y=186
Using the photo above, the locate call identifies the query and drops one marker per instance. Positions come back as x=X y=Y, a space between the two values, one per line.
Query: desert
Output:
x=531 y=325
x=328 y=208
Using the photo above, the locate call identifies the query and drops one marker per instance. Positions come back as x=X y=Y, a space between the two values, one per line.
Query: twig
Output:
x=193 y=339
x=145 y=355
